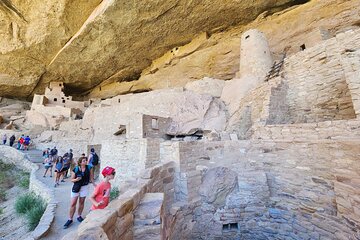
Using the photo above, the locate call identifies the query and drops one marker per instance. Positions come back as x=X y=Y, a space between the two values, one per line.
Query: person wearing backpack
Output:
x=81 y=176
x=93 y=161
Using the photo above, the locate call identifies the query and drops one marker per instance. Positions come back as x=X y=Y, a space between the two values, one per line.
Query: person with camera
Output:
x=81 y=176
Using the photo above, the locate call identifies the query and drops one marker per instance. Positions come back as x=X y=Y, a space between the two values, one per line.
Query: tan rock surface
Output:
x=28 y=45
x=57 y=40
x=218 y=57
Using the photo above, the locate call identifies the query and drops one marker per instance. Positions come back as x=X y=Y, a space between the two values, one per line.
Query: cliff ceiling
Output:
x=89 y=43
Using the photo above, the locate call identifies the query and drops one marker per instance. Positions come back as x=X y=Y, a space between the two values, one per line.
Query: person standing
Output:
x=81 y=176
x=101 y=195
x=12 y=140
x=53 y=154
x=93 y=161
x=27 y=143
x=59 y=165
x=70 y=157
x=4 y=138
x=20 y=141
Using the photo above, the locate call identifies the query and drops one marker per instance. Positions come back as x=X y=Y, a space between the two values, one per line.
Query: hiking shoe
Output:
x=80 y=219
x=68 y=223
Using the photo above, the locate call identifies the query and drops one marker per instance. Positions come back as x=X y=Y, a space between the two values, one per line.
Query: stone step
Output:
x=147 y=217
x=34 y=155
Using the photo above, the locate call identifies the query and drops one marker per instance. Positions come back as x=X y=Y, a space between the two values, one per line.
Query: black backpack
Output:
x=95 y=159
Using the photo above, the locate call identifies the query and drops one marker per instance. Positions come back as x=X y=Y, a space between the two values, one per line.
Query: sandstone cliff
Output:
x=86 y=43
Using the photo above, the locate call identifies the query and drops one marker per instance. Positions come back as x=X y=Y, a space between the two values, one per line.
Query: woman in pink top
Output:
x=101 y=195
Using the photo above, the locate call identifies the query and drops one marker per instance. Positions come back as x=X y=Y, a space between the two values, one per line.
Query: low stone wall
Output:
x=116 y=221
x=12 y=156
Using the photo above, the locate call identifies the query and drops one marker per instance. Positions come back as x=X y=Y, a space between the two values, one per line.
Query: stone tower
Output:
x=255 y=56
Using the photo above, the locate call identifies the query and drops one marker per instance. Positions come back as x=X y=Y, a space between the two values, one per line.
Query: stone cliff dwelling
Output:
x=251 y=129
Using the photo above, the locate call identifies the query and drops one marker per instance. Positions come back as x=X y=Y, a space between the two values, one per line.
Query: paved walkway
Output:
x=62 y=196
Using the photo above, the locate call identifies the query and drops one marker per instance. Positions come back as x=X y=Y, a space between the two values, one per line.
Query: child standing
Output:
x=101 y=195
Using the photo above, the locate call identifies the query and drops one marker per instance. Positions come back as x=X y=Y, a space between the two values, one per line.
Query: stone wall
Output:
x=12 y=156
x=351 y=65
x=316 y=79
x=337 y=130
x=295 y=190
x=129 y=157
x=117 y=220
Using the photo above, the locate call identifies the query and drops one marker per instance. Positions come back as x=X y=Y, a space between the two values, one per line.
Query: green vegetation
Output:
x=34 y=215
x=2 y=195
x=1 y=210
x=32 y=206
x=114 y=193
x=10 y=176
x=24 y=180
x=25 y=202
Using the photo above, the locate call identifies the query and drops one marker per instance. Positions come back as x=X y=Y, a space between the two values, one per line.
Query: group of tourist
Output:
x=23 y=142
x=82 y=174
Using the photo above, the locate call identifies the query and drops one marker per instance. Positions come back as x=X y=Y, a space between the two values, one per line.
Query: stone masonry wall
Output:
x=116 y=221
x=316 y=78
x=130 y=156
x=351 y=64
x=309 y=190
x=337 y=130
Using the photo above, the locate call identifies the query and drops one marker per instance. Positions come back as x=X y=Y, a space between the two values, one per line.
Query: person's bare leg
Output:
x=81 y=205
x=73 y=207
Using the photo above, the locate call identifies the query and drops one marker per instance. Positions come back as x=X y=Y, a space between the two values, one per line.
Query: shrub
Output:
x=1 y=210
x=24 y=180
x=31 y=205
x=26 y=202
x=114 y=193
x=34 y=215
x=2 y=195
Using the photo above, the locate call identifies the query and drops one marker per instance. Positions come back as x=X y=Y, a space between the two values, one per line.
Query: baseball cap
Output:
x=108 y=171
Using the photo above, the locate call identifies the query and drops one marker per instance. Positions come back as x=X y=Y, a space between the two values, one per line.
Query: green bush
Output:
x=24 y=181
x=114 y=193
x=31 y=205
x=34 y=215
x=2 y=195
x=26 y=202
x=1 y=210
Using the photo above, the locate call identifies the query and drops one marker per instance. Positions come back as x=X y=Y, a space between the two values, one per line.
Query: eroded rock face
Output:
x=217 y=184
x=84 y=44
x=219 y=55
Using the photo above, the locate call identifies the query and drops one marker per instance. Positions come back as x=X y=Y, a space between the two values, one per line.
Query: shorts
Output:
x=65 y=169
x=84 y=190
x=57 y=170
x=48 y=166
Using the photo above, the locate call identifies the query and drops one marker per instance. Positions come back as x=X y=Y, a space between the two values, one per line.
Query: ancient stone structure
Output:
x=53 y=105
x=294 y=176
x=253 y=157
